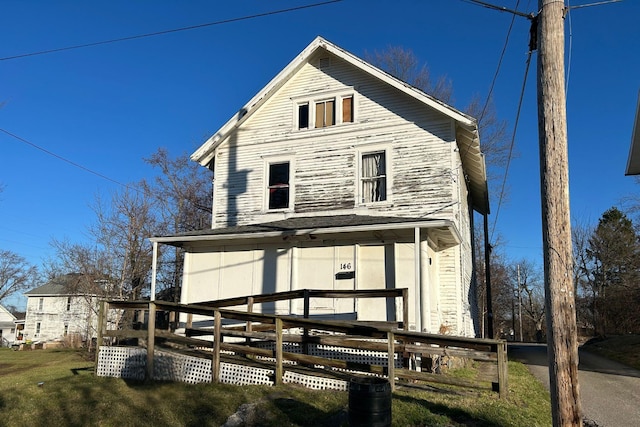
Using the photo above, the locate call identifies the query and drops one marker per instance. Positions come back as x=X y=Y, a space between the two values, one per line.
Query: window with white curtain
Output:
x=373 y=177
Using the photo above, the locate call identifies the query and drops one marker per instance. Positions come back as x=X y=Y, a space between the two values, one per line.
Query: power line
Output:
x=495 y=76
x=498 y=8
x=77 y=165
x=175 y=30
x=513 y=137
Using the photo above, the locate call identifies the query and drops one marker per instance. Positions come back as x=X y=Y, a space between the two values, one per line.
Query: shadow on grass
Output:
x=303 y=414
x=77 y=371
x=459 y=416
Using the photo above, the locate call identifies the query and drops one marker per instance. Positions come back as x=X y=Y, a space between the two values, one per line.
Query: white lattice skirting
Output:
x=130 y=363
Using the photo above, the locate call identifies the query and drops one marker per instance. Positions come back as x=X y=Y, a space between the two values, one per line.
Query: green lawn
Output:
x=58 y=388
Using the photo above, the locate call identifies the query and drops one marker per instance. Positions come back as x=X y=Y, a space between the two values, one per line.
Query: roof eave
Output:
x=181 y=240
x=206 y=152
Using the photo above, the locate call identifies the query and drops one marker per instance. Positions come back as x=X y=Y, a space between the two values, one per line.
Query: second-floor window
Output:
x=373 y=177
x=40 y=303
x=68 y=303
x=278 y=188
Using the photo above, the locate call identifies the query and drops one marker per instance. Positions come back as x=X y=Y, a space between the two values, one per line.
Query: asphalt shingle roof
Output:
x=302 y=223
x=67 y=284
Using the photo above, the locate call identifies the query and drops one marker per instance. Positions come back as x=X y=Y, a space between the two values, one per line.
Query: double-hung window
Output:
x=279 y=186
x=373 y=177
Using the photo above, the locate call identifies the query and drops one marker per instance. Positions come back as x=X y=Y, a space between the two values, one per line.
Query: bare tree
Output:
x=122 y=229
x=583 y=277
x=16 y=274
x=119 y=253
x=528 y=288
x=404 y=65
x=182 y=191
x=182 y=196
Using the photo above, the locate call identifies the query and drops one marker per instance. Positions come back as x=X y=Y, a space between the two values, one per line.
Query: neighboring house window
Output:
x=324 y=112
x=373 y=177
x=37 y=329
x=278 y=185
x=40 y=303
x=68 y=303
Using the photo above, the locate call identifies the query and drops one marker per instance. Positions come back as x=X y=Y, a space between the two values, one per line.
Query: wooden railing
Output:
x=250 y=329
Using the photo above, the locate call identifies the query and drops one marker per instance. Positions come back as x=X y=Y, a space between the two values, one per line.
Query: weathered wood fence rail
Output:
x=248 y=337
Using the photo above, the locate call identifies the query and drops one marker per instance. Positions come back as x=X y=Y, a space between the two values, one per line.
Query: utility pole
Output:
x=520 y=304
x=556 y=223
x=487 y=272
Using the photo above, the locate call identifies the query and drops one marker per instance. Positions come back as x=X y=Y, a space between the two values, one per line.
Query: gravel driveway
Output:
x=609 y=391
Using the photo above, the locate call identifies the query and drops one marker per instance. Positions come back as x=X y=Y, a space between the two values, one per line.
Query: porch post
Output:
x=154 y=264
x=418 y=279
x=151 y=339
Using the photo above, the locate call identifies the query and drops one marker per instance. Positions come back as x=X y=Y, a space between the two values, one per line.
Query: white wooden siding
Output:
x=425 y=180
x=326 y=175
x=81 y=318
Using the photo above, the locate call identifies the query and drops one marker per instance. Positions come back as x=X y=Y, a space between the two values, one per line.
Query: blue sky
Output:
x=106 y=107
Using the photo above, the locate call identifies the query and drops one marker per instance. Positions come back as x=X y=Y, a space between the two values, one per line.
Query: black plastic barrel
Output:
x=369 y=402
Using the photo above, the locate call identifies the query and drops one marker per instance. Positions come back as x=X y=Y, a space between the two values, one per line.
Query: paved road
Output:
x=609 y=391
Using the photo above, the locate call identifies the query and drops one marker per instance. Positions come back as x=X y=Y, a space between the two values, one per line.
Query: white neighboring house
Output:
x=7 y=327
x=337 y=175
x=59 y=309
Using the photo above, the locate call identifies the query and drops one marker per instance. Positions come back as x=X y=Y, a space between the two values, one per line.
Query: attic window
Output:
x=324 y=62
x=347 y=109
x=303 y=116
x=324 y=112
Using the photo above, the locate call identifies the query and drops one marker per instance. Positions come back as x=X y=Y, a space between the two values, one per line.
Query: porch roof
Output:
x=443 y=230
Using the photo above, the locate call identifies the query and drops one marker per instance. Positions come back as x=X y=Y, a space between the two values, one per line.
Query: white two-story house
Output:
x=337 y=175
x=59 y=309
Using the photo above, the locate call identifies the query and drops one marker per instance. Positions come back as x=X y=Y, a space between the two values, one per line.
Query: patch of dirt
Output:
x=6 y=368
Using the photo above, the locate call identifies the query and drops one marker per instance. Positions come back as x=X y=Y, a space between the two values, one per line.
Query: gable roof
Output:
x=466 y=126
x=4 y=313
x=633 y=163
x=67 y=284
